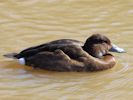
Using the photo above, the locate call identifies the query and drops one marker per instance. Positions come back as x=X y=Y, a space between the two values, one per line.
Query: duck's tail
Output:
x=11 y=55
x=15 y=56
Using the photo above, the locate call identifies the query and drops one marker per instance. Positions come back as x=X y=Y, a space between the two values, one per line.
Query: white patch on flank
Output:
x=21 y=61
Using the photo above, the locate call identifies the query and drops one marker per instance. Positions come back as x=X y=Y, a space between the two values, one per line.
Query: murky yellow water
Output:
x=25 y=23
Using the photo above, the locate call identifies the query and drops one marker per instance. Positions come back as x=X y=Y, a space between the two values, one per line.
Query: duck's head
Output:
x=99 y=45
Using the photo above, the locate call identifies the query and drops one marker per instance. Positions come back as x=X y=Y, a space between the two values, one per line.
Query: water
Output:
x=25 y=23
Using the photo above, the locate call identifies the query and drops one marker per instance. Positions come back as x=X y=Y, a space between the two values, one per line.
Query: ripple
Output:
x=30 y=22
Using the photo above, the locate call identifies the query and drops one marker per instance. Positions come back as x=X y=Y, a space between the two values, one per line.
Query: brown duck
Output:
x=70 y=55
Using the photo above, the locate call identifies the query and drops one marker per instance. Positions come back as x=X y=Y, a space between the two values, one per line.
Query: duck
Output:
x=70 y=55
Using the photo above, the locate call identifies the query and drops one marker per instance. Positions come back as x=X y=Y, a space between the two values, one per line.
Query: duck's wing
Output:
x=51 y=46
x=55 y=61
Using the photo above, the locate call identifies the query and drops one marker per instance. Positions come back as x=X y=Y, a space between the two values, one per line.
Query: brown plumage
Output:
x=70 y=55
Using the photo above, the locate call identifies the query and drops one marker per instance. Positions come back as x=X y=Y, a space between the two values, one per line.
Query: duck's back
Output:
x=50 y=46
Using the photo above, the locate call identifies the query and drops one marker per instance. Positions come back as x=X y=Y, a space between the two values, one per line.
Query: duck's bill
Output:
x=116 y=49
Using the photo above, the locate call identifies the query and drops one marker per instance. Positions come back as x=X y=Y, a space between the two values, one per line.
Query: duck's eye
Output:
x=106 y=42
x=100 y=41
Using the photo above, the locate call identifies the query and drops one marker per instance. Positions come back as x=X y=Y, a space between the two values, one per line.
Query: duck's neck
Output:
x=108 y=61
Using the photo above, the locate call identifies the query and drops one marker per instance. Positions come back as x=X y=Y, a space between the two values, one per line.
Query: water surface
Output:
x=25 y=23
